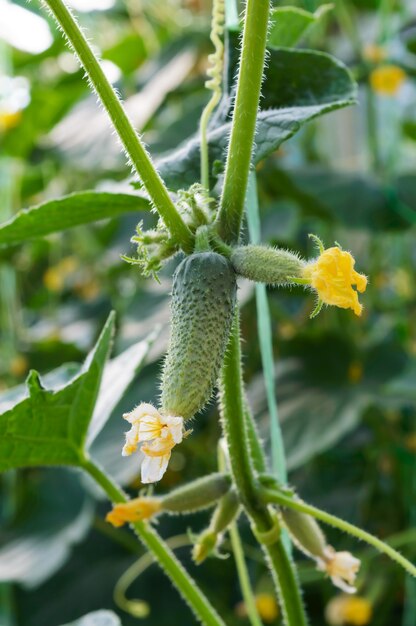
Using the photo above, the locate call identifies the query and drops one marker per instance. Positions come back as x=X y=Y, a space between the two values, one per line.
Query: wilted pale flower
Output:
x=352 y=610
x=158 y=434
x=333 y=276
x=341 y=567
x=136 y=510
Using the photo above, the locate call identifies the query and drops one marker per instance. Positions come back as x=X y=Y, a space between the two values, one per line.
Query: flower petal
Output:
x=175 y=425
x=153 y=467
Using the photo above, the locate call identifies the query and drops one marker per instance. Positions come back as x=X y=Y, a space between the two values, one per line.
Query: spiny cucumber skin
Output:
x=265 y=264
x=202 y=307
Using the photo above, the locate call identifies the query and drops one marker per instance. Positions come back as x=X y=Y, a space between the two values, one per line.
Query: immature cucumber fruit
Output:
x=203 y=299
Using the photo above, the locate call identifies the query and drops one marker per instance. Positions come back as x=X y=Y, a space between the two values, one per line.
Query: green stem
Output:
x=253 y=439
x=205 y=117
x=128 y=136
x=372 y=130
x=264 y=331
x=165 y=557
x=244 y=120
x=271 y=496
x=245 y=585
x=235 y=429
x=348 y=23
x=137 y=607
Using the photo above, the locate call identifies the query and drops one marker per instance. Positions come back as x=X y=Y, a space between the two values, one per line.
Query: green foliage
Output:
x=319 y=84
x=38 y=545
x=73 y=210
x=343 y=389
x=289 y=24
x=49 y=427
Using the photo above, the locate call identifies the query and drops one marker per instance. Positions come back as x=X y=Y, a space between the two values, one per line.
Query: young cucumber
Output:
x=203 y=300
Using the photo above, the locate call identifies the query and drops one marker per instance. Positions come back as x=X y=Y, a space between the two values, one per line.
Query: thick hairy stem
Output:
x=134 y=148
x=244 y=119
x=164 y=556
x=271 y=496
x=264 y=524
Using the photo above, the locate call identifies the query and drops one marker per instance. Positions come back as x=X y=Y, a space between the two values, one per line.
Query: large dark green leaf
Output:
x=350 y=199
x=67 y=212
x=56 y=515
x=299 y=86
x=49 y=426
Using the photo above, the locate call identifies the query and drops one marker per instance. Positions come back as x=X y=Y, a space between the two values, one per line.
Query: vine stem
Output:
x=264 y=524
x=165 y=557
x=203 y=127
x=134 y=148
x=243 y=576
x=264 y=331
x=272 y=496
x=243 y=128
x=238 y=553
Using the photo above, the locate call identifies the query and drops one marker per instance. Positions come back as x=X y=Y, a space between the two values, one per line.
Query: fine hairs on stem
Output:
x=165 y=557
x=135 y=150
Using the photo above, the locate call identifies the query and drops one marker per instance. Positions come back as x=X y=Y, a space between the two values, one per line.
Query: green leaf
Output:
x=350 y=199
x=98 y=618
x=310 y=84
x=49 y=426
x=56 y=516
x=118 y=375
x=67 y=212
x=289 y=24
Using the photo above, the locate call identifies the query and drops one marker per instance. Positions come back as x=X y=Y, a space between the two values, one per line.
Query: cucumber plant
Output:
x=203 y=224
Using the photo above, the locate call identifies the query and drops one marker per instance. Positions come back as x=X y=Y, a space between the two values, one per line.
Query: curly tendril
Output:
x=216 y=62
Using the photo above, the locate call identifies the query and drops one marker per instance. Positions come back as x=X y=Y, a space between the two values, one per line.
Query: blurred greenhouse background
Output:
x=345 y=388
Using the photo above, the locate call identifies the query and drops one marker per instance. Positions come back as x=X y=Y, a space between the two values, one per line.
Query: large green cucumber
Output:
x=203 y=300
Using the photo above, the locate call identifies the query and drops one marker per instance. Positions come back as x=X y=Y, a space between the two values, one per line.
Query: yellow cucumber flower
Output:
x=386 y=80
x=134 y=511
x=333 y=277
x=352 y=610
x=341 y=567
x=158 y=434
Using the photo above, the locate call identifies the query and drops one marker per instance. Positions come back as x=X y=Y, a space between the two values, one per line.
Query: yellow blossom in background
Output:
x=19 y=365
x=355 y=372
x=9 y=119
x=348 y=610
x=266 y=605
x=386 y=80
x=341 y=567
x=410 y=442
x=135 y=510
x=158 y=434
x=55 y=276
x=333 y=276
x=374 y=53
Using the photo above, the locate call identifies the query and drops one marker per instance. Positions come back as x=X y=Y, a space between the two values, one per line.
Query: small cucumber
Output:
x=203 y=300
